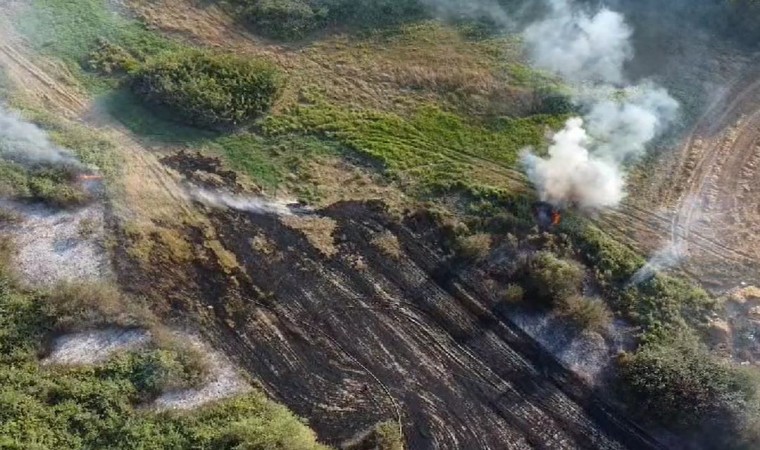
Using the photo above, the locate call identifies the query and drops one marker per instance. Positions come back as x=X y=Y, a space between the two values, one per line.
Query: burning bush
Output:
x=209 y=90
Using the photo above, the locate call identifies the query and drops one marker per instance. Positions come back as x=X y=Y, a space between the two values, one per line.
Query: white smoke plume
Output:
x=580 y=46
x=26 y=143
x=585 y=165
x=256 y=205
x=571 y=174
x=669 y=256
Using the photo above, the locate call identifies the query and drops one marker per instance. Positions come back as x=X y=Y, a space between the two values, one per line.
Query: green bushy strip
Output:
x=433 y=149
x=294 y=19
x=53 y=185
x=206 y=89
x=283 y=19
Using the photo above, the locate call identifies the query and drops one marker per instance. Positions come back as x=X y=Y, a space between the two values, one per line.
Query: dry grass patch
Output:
x=388 y=243
x=227 y=260
x=318 y=231
x=261 y=244
x=586 y=313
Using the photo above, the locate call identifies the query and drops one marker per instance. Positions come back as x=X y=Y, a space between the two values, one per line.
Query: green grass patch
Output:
x=273 y=161
x=432 y=148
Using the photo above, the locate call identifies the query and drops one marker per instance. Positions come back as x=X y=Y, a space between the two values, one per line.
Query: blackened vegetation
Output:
x=348 y=345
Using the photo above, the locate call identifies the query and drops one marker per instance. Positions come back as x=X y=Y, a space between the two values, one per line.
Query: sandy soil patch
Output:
x=224 y=381
x=90 y=347
x=54 y=246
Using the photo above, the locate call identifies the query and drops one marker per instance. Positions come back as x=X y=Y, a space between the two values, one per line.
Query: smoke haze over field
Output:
x=585 y=162
x=580 y=46
x=26 y=143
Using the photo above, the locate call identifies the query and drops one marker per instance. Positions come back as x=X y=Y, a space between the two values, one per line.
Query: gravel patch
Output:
x=54 y=246
x=91 y=347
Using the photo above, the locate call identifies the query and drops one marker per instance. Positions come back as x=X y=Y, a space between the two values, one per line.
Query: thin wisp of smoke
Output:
x=25 y=143
x=667 y=257
x=257 y=205
x=585 y=164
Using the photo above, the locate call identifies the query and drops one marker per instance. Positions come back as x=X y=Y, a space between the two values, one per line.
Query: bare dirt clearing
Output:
x=91 y=347
x=54 y=246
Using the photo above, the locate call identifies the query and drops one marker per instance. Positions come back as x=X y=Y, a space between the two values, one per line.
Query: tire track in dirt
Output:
x=35 y=81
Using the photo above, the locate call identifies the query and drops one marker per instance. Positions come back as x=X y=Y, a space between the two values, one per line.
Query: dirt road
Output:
x=709 y=202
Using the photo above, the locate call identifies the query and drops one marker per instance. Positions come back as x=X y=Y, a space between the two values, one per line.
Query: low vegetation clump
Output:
x=209 y=90
x=550 y=280
x=294 y=19
x=677 y=382
x=474 y=248
x=585 y=313
x=54 y=185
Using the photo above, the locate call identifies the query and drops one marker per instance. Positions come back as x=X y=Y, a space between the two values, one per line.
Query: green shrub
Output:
x=513 y=293
x=585 y=313
x=283 y=19
x=294 y=19
x=550 y=279
x=677 y=382
x=111 y=59
x=209 y=90
x=474 y=248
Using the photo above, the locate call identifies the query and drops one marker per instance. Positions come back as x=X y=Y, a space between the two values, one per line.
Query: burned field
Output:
x=368 y=334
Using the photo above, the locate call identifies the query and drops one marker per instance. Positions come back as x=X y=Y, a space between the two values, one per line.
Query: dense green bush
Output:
x=677 y=382
x=209 y=90
x=294 y=19
x=549 y=279
x=283 y=19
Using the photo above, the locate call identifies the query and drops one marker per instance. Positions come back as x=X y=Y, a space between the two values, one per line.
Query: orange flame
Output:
x=556 y=218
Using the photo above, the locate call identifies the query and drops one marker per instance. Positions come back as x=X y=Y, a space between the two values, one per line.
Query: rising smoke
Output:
x=579 y=46
x=585 y=164
x=25 y=143
x=257 y=205
x=669 y=256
